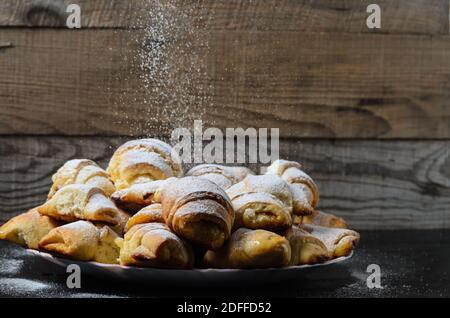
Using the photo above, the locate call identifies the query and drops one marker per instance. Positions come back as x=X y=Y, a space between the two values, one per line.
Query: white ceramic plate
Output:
x=192 y=277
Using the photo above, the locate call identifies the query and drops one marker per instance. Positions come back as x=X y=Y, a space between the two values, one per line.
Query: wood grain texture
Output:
x=52 y=13
x=314 y=85
x=373 y=184
x=402 y=16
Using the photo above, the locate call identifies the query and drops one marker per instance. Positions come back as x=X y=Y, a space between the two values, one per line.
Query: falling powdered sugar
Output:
x=171 y=68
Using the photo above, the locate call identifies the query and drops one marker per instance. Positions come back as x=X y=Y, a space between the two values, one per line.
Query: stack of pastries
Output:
x=142 y=211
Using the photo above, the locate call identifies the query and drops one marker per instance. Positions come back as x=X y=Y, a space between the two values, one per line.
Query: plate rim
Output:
x=58 y=259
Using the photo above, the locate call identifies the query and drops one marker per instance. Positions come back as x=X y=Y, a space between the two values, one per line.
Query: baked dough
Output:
x=143 y=160
x=84 y=241
x=139 y=195
x=339 y=242
x=155 y=245
x=323 y=219
x=149 y=214
x=197 y=210
x=305 y=193
x=223 y=176
x=122 y=218
x=27 y=229
x=79 y=201
x=251 y=249
x=305 y=248
x=262 y=202
x=81 y=171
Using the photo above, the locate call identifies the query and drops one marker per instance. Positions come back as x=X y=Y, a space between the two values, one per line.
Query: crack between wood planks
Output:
x=5 y=45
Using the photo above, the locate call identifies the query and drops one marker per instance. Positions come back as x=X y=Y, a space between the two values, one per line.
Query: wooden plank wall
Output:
x=366 y=111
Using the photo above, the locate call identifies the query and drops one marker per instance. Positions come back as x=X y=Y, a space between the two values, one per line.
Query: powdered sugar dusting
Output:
x=11 y=285
x=258 y=197
x=10 y=266
x=179 y=188
x=269 y=184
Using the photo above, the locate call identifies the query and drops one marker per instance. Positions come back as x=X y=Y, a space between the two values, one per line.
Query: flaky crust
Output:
x=84 y=241
x=78 y=201
x=139 y=196
x=305 y=193
x=144 y=160
x=197 y=210
x=149 y=214
x=305 y=248
x=262 y=202
x=251 y=249
x=339 y=242
x=223 y=176
x=324 y=219
x=81 y=171
x=155 y=245
x=27 y=229
x=122 y=219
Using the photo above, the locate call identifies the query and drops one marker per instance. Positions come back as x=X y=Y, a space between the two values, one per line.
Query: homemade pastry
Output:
x=322 y=219
x=197 y=210
x=143 y=160
x=339 y=242
x=81 y=171
x=142 y=212
x=149 y=214
x=80 y=201
x=223 y=176
x=139 y=195
x=84 y=241
x=251 y=249
x=27 y=229
x=305 y=248
x=262 y=202
x=305 y=193
x=150 y=243
x=122 y=219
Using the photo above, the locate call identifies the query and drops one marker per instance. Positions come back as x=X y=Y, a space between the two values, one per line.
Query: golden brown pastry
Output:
x=197 y=210
x=150 y=243
x=223 y=176
x=339 y=242
x=122 y=218
x=80 y=201
x=155 y=245
x=81 y=171
x=149 y=214
x=143 y=160
x=305 y=248
x=262 y=202
x=322 y=219
x=139 y=195
x=27 y=229
x=84 y=241
x=251 y=249
x=305 y=193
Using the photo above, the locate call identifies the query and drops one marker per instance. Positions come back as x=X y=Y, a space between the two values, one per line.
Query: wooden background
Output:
x=366 y=111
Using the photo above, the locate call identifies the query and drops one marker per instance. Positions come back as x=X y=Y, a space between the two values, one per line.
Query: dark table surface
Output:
x=413 y=264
